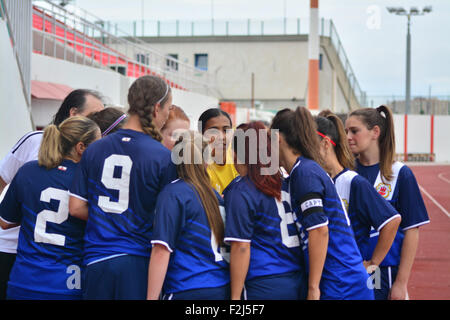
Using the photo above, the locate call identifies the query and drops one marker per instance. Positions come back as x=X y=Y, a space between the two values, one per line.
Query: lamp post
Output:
x=413 y=11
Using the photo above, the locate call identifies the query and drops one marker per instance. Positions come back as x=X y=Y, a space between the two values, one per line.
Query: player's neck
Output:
x=370 y=156
x=333 y=166
x=289 y=160
x=133 y=123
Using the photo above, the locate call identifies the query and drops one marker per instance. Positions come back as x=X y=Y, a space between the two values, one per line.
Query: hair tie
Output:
x=114 y=125
x=326 y=137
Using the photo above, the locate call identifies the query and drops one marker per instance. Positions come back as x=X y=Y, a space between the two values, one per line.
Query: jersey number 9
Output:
x=122 y=184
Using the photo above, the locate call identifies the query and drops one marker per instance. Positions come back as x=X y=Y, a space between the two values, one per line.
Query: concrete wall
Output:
x=280 y=65
x=15 y=118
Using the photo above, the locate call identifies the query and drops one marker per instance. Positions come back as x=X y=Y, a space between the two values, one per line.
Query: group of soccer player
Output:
x=106 y=213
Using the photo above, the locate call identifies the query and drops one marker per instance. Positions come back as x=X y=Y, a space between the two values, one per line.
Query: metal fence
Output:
x=18 y=17
x=114 y=45
x=434 y=104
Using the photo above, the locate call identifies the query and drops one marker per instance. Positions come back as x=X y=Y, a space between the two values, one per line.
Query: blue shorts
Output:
x=220 y=293
x=15 y=293
x=120 y=278
x=286 y=286
x=387 y=278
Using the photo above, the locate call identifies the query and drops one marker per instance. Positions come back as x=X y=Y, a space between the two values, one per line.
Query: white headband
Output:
x=165 y=94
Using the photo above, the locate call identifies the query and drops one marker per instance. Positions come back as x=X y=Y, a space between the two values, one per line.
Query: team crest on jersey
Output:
x=345 y=204
x=62 y=168
x=384 y=189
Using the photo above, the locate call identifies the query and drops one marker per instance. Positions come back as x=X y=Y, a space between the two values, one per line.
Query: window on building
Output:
x=143 y=58
x=320 y=61
x=171 y=64
x=201 y=61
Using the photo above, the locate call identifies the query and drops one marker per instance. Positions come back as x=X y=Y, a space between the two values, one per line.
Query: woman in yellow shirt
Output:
x=216 y=125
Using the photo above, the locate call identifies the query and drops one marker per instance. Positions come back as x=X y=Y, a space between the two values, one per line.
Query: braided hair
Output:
x=144 y=94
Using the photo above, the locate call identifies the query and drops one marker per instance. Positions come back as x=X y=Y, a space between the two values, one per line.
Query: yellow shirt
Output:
x=221 y=176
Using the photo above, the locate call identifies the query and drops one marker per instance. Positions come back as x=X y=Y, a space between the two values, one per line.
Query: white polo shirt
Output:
x=25 y=150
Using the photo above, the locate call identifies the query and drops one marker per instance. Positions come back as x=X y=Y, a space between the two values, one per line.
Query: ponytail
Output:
x=59 y=141
x=299 y=130
x=386 y=142
x=50 y=153
x=381 y=117
x=331 y=126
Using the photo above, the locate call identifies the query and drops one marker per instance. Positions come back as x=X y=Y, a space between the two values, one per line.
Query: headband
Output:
x=165 y=94
x=114 y=125
x=326 y=137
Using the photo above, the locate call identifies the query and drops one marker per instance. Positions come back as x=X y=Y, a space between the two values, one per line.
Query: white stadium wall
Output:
x=113 y=86
x=109 y=83
x=419 y=134
x=15 y=118
x=442 y=138
x=424 y=134
x=193 y=104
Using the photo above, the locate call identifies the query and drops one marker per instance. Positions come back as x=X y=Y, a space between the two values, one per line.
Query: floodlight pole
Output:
x=408 y=68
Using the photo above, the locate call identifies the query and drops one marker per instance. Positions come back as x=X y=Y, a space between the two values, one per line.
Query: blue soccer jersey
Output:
x=365 y=207
x=49 y=253
x=404 y=195
x=265 y=222
x=181 y=224
x=120 y=176
x=316 y=203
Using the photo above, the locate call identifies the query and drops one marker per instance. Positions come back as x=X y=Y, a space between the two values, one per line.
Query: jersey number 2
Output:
x=122 y=184
x=286 y=218
x=61 y=215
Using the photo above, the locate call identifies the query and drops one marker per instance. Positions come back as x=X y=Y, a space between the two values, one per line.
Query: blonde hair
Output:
x=193 y=171
x=58 y=141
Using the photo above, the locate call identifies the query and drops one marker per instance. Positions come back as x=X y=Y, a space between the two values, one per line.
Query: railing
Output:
x=94 y=43
x=336 y=41
x=435 y=104
x=17 y=15
x=217 y=27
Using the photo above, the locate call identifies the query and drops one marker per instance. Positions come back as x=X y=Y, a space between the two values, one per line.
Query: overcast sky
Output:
x=374 y=40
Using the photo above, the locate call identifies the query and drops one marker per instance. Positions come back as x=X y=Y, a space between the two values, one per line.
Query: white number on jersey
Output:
x=121 y=184
x=51 y=216
x=286 y=218
x=219 y=251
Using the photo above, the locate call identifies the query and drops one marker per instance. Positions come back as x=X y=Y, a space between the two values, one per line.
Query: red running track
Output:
x=430 y=276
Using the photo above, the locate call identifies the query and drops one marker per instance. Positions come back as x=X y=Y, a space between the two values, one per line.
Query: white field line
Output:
x=441 y=176
x=434 y=201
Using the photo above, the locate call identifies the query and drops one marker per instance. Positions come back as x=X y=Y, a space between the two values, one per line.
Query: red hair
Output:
x=268 y=184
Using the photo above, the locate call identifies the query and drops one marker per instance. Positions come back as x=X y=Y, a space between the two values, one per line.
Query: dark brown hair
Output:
x=300 y=132
x=106 y=118
x=75 y=99
x=331 y=125
x=381 y=117
x=143 y=96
